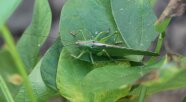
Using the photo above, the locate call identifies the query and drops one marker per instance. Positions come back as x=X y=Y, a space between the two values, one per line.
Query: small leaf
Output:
x=35 y=35
x=49 y=64
x=162 y=75
x=7 y=7
x=172 y=76
x=41 y=91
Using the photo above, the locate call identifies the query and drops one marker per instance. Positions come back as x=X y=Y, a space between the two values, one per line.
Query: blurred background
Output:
x=175 y=38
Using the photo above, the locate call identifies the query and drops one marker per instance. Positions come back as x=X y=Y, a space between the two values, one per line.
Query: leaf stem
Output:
x=21 y=68
x=151 y=61
x=5 y=90
x=142 y=94
x=158 y=47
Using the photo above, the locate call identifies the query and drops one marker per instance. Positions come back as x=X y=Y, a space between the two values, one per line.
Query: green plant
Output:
x=96 y=76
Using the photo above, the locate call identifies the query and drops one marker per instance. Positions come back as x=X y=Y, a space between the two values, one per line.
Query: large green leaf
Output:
x=7 y=7
x=35 y=35
x=69 y=76
x=135 y=20
x=7 y=69
x=88 y=17
x=79 y=83
x=119 y=76
x=41 y=91
x=49 y=64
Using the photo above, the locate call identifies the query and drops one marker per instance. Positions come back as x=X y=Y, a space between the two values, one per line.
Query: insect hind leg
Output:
x=81 y=54
x=106 y=38
x=106 y=53
x=91 y=58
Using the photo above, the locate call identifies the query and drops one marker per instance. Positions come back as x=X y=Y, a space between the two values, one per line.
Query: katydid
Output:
x=99 y=48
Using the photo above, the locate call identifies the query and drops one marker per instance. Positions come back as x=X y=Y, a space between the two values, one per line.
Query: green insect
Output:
x=98 y=47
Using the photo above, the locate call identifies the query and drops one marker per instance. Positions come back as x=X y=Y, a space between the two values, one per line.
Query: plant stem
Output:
x=5 y=90
x=152 y=60
x=21 y=68
x=158 y=48
x=142 y=94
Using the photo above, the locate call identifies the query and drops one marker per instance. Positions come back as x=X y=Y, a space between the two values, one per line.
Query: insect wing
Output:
x=113 y=50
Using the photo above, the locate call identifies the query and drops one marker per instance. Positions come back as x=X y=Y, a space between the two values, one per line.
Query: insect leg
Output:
x=77 y=57
x=106 y=53
x=100 y=33
x=117 y=36
x=104 y=39
x=91 y=58
x=75 y=33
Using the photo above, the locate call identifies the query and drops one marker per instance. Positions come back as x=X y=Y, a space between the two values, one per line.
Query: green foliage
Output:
x=127 y=24
x=162 y=26
x=36 y=34
x=184 y=100
x=41 y=91
x=5 y=90
x=69 y=75
x=135 y=20
x=171 y=77
x=7 y=70
x=7 y=7
x=119 y=75
x=50 y=63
